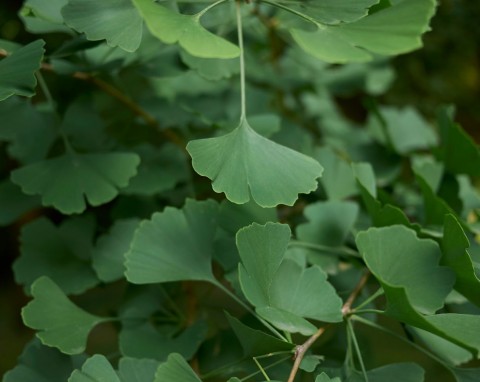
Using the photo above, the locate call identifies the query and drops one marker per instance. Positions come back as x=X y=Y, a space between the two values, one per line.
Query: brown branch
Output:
x=302 y=349
x=120 y=97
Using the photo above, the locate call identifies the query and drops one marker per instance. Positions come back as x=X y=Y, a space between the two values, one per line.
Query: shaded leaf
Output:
x=412 y=265
x=286 y=321
x=65 y=182
x=13 y=203
x=397 y=372
x=174 y=245
x=325 y=378
x=95 y=369
x=243 y=163
x=17 y=70
x=137 y=370
x=466 y=375
x=172 y=27
x=43 y=16
x=176 y=369
x=60 y=323
x=212 y=69
x=116 y=21
x=61 y=253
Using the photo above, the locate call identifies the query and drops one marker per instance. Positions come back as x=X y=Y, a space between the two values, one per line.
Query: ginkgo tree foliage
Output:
x=194 y=205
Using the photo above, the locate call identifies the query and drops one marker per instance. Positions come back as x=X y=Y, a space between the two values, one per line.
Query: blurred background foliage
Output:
x=446 y=70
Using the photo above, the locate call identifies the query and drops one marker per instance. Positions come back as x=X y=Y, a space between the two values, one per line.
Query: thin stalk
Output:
x=262 y=370
x=295 y=12
x=199 y=15
x=357 y=350
x=243 y=101
x=371 y=298
x=265 y=368
x=366 y=311
x=46 y=90
x=325 y=249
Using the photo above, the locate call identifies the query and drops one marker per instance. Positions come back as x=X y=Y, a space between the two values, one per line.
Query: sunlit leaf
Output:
x=176 y=369
x=243 y=164
x=65 y=182
x=95 y=369
x=116 y=21
x=17 y=70
x=412 y=265
x=59 y=322
x=174 y=245
x=61 y=253
x=393 y=30
x=172 y=27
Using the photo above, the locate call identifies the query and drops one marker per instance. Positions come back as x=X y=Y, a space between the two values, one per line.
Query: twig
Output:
x=301 y=350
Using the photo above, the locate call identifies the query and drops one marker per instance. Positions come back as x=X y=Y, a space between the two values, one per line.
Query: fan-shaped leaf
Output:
x=176 y=369
x=397 y=372
x=172 y=27
x=243 y=163
x=95 y=369
x=137 y=370
x=64 y=182
x=61 y=323
x=17 y=70
x=174 y=245
x=13 y=203
x=325 y=378
x=412 y=265
x=116 y=21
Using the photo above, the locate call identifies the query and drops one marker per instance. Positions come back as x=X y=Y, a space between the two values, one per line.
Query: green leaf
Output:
x=466 y=375
x=13 y=203
x=61 y=323
x=108 y=256
x=43 y=16
x=243 y=163
x=427 y=168
x=255 y=342
x=325 y=378
x=137 y=370
x=35 y=365
x=213 y=69
x=64 y=182
x=176 y=369
x=172 y=27
x=95 y=369
x=412 y=265
x=455 y=246
x=267 y=280
x=458 y=151
x=116 y=21
x=17 y=70
x=174 y=245
x=435 y=208
x=61 y=253
x=391 y=31
x=286 y=321
x=397 y=372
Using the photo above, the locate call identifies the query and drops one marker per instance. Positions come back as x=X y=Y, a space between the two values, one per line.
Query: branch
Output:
x=119 y=96
x=301 y=350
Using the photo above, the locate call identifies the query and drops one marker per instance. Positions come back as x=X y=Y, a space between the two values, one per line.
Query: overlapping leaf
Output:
x=43 y=16
x=13 y=203
x=65 y=182
x=116 y=21
x=95 y=369
x=270 y=281
x=172 y=27
x=136 y=370
x=60 y=323
x=176 y=369
x=245 y=165
x=174 y=245
x=325 y=378
x=17 y=70
x=393 y=30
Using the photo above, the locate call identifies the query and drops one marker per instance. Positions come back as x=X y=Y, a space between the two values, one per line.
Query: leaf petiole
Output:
x=357 y=349
x=199 y=15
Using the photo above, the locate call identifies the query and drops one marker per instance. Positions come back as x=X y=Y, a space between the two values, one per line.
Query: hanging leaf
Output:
x=455 y=246
x=61 y=253
x=61 y=323
x=267 y=280
x=116 y=21
x=64 y=182
x=95 y=369
x=172 y=27
x=137 y=370
x=393 y=30
x=412 y=265
x=243 y=163
x=174 y=245
x=213 y=69
x=17 y=70
x=176 y=369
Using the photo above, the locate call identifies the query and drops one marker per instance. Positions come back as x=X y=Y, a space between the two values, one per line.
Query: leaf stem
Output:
x=265 y=368
x=262 y=370
x=378 y=293
x=357 y=349
x=295 y=12
x=325 y=249
x=243 y=101
x=347 y=307
x=199 y=15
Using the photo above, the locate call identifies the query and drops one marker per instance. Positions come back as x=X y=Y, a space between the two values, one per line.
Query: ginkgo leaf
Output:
x=286 y=321
x=325 y=378
x=47 y=250
x=174 y=245
x=175 y=369
x=396 y=372
x=393 y=30
x=212 y=69
x=269 y=280
x=65 y=182
x=455 y=246
x=137 y=370
x=95 y=369
x=413 y=265
x=60 y=322
x=243 y=164
x=44 y=16
x=116 y=21
x=172 y=27
x=14 y=203
x=17 y=70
